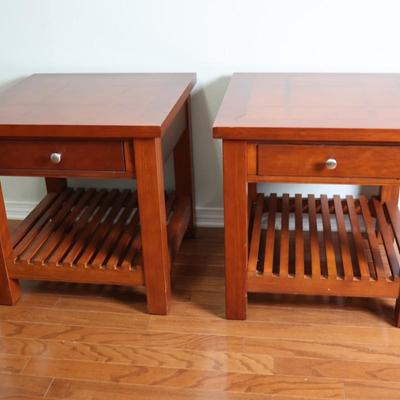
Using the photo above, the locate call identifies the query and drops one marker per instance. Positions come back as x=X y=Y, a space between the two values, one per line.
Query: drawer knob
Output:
x=330 y=163
x=55 y=158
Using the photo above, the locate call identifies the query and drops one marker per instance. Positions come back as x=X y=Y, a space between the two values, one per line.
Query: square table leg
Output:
x=184 y=169
x=9 y=288
x=236 y=227
x=390 y=194
x=153 y=224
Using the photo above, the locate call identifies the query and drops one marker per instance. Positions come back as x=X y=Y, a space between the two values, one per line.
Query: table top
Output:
x=112 y=104
x=296 y=106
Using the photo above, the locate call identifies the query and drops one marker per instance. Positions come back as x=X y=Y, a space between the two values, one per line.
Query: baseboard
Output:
x=205 y=216
x=19 y=209
x=210 y=217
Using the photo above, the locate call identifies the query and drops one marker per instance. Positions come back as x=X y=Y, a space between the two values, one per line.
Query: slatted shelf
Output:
x=338 y=246
x=90 y=236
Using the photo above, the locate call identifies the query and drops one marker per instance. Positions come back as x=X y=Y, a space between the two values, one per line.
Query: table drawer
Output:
x=311 y=160
x=36 y=155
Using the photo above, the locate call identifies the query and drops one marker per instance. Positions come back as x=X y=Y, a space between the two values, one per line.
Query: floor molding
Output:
x=19 y=209
x=205 y=216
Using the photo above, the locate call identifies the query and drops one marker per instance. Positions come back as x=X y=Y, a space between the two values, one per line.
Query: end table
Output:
x=98 y=126
x=310 y=128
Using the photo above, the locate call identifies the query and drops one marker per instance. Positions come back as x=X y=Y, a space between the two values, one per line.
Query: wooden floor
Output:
x=65 y=341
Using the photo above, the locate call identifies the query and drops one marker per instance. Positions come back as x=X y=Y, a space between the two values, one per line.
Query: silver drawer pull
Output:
x=330 y=163
x=55 y=158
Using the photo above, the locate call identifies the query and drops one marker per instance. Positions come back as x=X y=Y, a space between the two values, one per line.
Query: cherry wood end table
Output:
x=115 y=126
x=310 y=128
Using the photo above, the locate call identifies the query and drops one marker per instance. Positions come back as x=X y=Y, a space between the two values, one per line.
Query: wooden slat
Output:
x=98 y=237
x=343 y=240
x=358 y=240
x=27 y=224
x=314 y=245
x=328 y=240
x=114 y=234
x=388 y=239
x=372 y=240
x=50 y=212
x=134 y=248
x=299 y=237
x=49 y=227
x=126 y=238
x=284 y=249
x=317 y=206
x=59 y=233
x=70 y=239
x=256 y=233
x=270 y=236
x=136 y=244
x=85 y=235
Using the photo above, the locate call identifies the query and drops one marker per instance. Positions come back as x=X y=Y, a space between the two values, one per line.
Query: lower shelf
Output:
x=90 y=236
x=321 y=246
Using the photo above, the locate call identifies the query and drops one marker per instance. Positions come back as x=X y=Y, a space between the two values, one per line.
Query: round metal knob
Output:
x=55 y=158
x=330 y=163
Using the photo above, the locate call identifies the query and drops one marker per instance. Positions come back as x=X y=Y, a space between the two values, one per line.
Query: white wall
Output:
x=211 y=37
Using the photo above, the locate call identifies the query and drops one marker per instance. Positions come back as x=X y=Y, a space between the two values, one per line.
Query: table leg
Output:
x=55 y=184
x=236 y=221
x=184 y=170
x=390 y=194
x=153 y=223
x=9 y=288
x=252 y=195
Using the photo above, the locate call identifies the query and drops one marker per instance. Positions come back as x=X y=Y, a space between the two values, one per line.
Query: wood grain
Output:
x=153 y=219
x=93 y=105
x=184 y=378
x=77 y=158
x=82 y=342
x=236 y=228
x=9 y=288
x=309 y=161
x=21 y=386
x=310 y=107
x=82 y=390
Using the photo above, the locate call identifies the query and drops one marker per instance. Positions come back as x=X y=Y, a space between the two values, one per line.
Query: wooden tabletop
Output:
x=93 y=104
x=352 y=107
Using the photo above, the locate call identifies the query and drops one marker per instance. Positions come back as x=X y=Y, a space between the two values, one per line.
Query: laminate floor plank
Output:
x=22 y=386
x=313 y=332
x=75 y=317
x=83 y=390
x=367 y=390
x=93 y=342
x=187 y=379
x=16 y=352
x=13 y=364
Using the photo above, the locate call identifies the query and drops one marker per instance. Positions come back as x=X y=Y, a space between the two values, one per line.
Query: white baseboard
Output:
x=19 y=209
x=210 y=217
x=206 y=216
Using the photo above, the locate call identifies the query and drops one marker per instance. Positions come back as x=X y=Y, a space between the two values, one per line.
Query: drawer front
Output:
x=32 y=155
x=311 y=161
